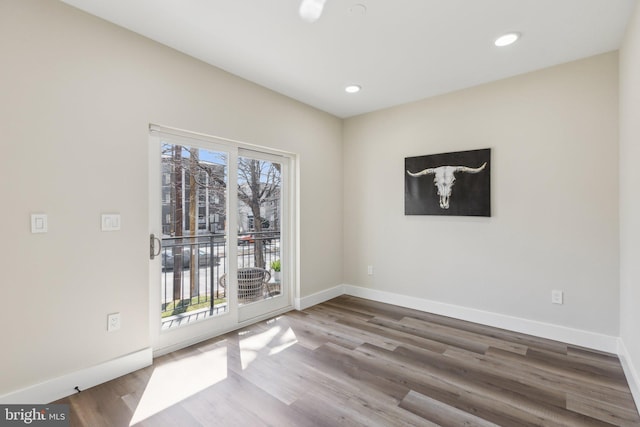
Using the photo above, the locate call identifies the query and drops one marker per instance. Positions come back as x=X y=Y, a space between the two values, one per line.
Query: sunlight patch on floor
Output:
x=179 y=379
x=286 y=340
x=270 y=342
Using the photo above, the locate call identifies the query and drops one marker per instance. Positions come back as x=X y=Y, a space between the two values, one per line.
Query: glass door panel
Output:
x=193 y=252
x=260 y=192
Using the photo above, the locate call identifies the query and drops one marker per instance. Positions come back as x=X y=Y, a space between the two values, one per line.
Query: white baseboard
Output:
x=578 y=337
x=318 y=297
x=57 y=388
x=629 y=371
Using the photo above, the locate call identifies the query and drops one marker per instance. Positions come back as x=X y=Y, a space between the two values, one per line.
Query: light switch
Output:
x=39 y=223
x=113 y=322
x=110 y=222
x=557 y=297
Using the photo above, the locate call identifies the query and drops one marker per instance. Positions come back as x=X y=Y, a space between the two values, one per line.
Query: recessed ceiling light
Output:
x=507 y=39
x=311 y=10
x=352 y=89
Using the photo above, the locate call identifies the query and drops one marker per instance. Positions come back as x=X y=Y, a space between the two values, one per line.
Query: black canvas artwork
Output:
x=457 y=184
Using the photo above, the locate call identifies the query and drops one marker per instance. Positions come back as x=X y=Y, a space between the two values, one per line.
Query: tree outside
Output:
x=259 y=192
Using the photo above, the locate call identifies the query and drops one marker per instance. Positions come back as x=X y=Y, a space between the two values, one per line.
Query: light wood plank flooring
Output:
x=355 y=362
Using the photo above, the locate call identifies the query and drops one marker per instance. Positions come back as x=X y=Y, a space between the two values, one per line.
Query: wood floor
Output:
x=355 y=362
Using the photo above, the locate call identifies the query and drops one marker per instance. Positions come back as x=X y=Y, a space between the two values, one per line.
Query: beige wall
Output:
x=553 y=135
x=629 y=189
x=76 y=97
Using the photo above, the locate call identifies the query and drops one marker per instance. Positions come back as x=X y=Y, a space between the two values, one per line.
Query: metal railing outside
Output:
x=201 y=261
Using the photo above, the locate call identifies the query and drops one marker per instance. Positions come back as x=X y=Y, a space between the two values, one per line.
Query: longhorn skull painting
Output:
x=468 y=170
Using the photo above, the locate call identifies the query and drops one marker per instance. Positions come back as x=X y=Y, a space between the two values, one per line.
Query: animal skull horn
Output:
x=424 y=172
x=470 y=170
x=444 y=179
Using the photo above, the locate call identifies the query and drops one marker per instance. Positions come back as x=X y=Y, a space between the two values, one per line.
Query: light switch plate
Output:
x=39 y=223
x=557 y=297
x=110 y=222
x=113 y=322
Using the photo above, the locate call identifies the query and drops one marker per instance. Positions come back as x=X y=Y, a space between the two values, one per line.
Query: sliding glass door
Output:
x=219 y=235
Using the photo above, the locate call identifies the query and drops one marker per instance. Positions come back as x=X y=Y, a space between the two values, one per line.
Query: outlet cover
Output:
x=39 y=223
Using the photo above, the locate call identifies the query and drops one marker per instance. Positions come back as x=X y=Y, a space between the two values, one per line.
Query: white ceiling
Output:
x=398 y=51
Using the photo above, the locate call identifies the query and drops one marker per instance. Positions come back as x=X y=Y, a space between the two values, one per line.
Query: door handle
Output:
x=152 y=240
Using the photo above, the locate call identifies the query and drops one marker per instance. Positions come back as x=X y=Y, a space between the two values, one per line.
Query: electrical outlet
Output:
x=557 y=297
x=113 y=322
x=370 y=270
x=39 y=223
